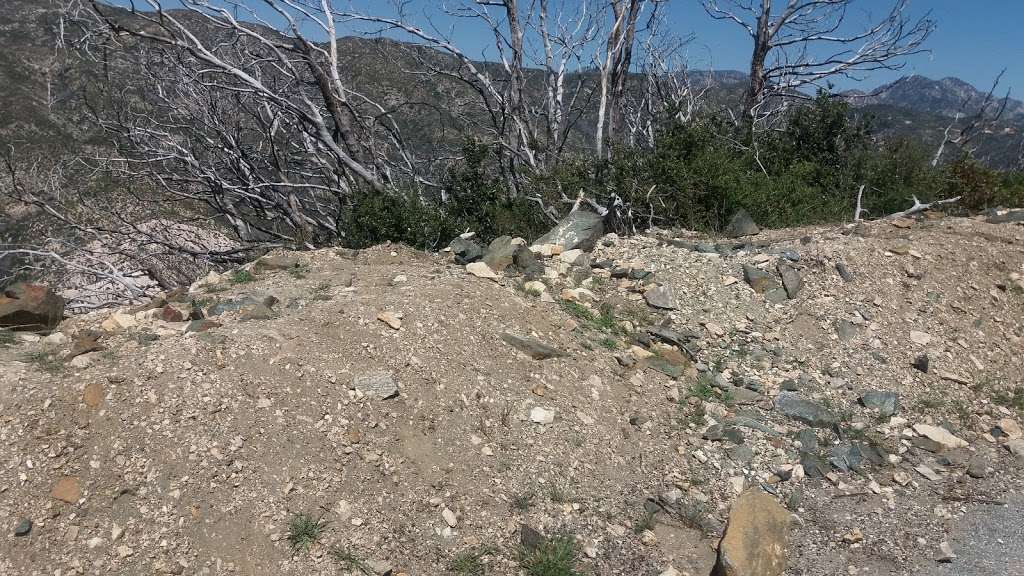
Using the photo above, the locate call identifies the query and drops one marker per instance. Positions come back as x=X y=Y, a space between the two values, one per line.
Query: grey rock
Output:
x=679 y=338
x=921 y=363
x=814 y=466
x=24 y=527
x=844 y=272
x=741 y=454
x=800 y=409
x=380 y=385
x=1010 y=217
x=661 y=297
x=846 y=457
x=887 y=403
x=789 y=386
x=706 y=248
x=758 y=279
x=791 y=255
x=580 y=229
x=257 y=312
x=532 y=347
x=745 y=422
x=466 y=251
x=662 y=365
x=500 y=253
x=529 y=538
x=847 y=330
x=527 y=264
x=791 y=280
x=977 y=466
x=742 y=396
x=776 y=296
x=741 y=224
x=808 y=439
x=718 y=433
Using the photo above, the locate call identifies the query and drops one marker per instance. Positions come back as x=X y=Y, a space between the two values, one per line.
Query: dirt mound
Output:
x=365 y=412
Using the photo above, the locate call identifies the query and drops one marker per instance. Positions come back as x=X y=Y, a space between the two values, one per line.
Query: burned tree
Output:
x=803 y=43
x=233 y=116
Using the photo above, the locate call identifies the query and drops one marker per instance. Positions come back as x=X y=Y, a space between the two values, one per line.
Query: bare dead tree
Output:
x=809 y=42
x=967 y=125
x=250 y=120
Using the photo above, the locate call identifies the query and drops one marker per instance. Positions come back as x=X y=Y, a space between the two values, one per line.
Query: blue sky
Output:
x=974 y=40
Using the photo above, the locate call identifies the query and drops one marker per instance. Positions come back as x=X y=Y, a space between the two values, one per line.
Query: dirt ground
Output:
x=183 y=452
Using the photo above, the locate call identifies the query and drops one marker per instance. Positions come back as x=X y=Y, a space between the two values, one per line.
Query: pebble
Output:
x=449 y=518
x=542 y=415
x=23 y=528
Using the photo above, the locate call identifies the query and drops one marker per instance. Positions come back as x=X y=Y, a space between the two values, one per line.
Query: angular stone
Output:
x=272 y=262
x=24 y=528
x=580 y=229
x=811 y=413
x=540 y=415
x=500 y=253
x=93 y=394
x=529 y=538
x=532 y=347
x=201 y=325
x=379 y=385
x=67 y=490
x=791 y=280
x=662 y=365
x=847 y=330
x=844 y=272
x=741 y=224
x=30 y=308
x=481 y=270
x=661 y=297
x=465 y=250
x=808 y=439
x=887 y=403
x=758 y=279
x=391 y=319
x=776 y=296
x=814 y=466
x=921 y=363
x=940 y=435
x=755 y=537
x=527 y=264
x=846 y=457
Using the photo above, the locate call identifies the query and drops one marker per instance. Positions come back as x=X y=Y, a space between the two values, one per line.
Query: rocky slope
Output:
x=419 y=415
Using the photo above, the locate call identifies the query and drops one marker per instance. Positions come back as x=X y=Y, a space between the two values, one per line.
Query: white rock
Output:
x=116 y=532
x=570 y=256
x=542 y=415
x=481 y=270
x=928 y=473
x=922 y=338
x=56 y=339
x=940 y=435
x=449 y=518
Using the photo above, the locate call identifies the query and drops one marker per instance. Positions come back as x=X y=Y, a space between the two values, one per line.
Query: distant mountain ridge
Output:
x=945 y=97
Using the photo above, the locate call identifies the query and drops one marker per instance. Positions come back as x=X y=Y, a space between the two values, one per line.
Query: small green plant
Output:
x=304 y=531
x=349 y=560
x=7 y=338
x=691 y=415
x=609 y=343
x=45 y=361
x=578 y=310
x=1013 y=399
x=470 y=562
x=522 y=501
x=644 y=523
x=702 y=388
x=555 y=557
x=241 y=277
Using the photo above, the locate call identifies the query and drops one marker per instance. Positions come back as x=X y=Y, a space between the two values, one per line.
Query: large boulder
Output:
x=501 y=253
x=30 y=307
x=580 y=229
x=466 y=251
x=755 y=538
x=741 y=225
